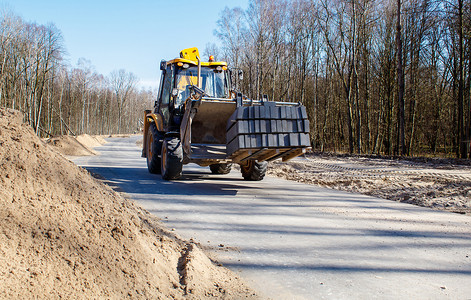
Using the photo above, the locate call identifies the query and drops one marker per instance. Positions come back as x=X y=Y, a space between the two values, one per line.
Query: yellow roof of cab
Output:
x=191 y=55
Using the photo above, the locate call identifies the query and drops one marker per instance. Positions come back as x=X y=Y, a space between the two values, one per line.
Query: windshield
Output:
x=213 y=82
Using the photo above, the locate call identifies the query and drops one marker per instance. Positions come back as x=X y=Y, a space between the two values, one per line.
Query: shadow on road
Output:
x=139 y=181
x=302 y=234
x=347 y=269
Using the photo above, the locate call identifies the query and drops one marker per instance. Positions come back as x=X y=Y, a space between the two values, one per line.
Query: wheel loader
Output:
x=199 y=118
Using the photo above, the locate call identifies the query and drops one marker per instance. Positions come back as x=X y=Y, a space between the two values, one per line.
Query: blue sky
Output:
x=125 y=34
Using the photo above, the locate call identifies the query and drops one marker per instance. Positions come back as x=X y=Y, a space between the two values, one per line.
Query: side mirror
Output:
x=163 y=65
x=240 y=74
x=174 y=92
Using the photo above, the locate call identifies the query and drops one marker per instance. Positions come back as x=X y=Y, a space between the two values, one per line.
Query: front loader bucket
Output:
x=220 y=130
x=209 y=123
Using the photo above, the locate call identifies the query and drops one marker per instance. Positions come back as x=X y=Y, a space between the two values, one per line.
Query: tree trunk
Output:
x=461 y=123
x=400 y=87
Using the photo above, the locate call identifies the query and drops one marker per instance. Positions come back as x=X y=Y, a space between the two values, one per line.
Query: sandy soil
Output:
x=90 y=141
x=64 y=234
x=69 y=145
x=81 y=145
x=438 y=184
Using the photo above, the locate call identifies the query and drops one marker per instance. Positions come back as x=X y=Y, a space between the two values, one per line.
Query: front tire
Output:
x=220 y=168
x=153 y=148
x=253 y=170
x=172 y=158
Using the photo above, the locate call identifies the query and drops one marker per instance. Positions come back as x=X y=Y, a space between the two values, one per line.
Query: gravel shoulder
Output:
x=438 y=184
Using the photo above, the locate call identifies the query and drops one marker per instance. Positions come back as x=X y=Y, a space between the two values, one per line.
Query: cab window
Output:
x=167 y=87
x=165 y=94
x=213 y=82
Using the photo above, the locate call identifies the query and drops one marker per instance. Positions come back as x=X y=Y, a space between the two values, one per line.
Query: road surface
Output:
x=296 y=241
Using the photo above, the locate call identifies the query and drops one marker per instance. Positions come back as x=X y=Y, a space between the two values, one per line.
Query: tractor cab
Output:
x=180 y=76
x=198 y=119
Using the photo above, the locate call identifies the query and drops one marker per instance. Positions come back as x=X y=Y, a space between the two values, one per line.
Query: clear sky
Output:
x=127 y=34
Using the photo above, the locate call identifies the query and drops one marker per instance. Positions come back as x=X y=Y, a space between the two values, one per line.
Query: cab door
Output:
x=165 y=94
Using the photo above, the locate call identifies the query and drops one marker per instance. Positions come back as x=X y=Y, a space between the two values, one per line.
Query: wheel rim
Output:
x=246 y=168
x=150 y=142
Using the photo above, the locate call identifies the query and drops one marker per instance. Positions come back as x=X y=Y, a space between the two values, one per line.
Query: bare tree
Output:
x=123 y=84
x=400 y=85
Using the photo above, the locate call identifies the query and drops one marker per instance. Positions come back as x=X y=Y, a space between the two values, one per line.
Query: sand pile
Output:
x=69 y=145
x=81 y=145
x=100 y=139
x=90 y=141
x=64 y=234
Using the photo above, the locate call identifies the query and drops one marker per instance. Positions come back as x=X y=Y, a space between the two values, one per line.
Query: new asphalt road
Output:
x=296 y=241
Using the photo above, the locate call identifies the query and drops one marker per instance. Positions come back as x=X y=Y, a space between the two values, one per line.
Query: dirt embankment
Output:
x=81 y=145
x=63 y=234
x=438 y=184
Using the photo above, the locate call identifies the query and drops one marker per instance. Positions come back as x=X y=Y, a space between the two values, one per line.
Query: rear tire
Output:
x=254 y=170
x=171 y=158
x=153 y=148
x=220 y=168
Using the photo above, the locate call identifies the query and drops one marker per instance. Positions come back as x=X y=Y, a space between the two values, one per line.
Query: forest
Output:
x=57 y=98
x=378 y=77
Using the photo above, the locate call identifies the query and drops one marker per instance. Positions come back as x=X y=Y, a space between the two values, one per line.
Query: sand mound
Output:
x=68 y=145
x=100 y=139
x=81 y=145
x=89 y=141
x=65 y=235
